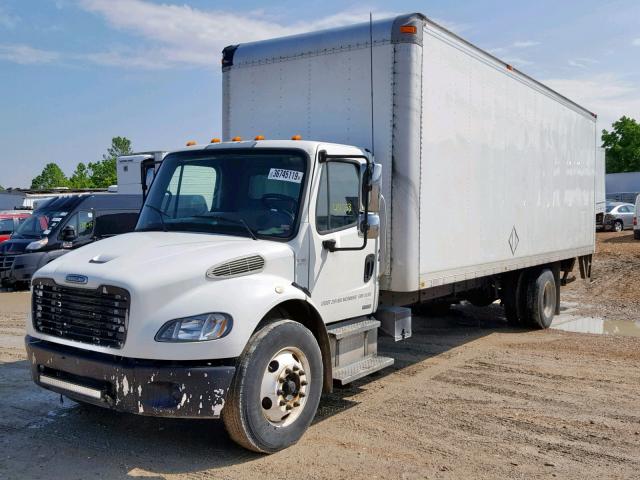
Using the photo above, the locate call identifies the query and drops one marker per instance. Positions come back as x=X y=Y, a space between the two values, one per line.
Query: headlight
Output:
x=199 y=328
x=38 y=244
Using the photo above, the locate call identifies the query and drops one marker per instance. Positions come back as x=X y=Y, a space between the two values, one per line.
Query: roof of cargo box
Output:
x=389 y=30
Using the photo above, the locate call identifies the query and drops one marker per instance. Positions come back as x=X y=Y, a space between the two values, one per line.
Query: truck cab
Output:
x=234 y=242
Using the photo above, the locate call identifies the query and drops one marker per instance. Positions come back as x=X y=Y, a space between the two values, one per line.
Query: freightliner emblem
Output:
x=72 y=278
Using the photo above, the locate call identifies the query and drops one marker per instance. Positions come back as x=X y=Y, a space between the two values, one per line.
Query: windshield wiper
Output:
x=161 y=213
x=239 y=221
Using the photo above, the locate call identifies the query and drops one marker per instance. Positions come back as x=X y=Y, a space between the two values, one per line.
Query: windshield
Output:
x=242 y=192
x=40 y=224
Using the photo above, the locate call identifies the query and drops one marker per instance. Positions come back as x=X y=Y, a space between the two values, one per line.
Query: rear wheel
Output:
x=276 y=389
x=514 y=297
x=541 y=299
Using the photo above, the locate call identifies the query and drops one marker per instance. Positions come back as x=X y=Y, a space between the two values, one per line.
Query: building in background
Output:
x=622 y=187
x=19 y=199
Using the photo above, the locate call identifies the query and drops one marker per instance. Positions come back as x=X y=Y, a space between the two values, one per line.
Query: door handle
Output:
x=369 y=264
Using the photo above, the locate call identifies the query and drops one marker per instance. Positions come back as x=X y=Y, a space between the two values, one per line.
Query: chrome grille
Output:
x=98 y=317
x=6 y=262
x=237 y=267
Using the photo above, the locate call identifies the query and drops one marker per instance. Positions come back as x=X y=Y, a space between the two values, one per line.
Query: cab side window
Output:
x=337 y=207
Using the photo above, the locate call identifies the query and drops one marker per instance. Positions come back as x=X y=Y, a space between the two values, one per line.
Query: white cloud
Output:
x=607 y=95
x=525 y=44
x=180 y=34
x=6 y=19
x=636 y=42
x=581 y=62
x=26 y=55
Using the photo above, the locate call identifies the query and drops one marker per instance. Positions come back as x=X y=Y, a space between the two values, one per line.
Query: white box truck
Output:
x=261 y=269
x=135 y=172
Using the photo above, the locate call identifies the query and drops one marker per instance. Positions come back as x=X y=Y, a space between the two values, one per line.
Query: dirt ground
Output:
x=468 y=397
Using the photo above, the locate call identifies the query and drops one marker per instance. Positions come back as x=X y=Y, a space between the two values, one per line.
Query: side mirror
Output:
x=376 y=188
x=69 y=233
x=373 y=221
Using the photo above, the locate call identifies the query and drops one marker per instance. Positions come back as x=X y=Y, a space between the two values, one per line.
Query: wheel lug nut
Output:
x=282 y=403
x=287 y=371
x=303 y=383
x=296 y=368
x=288 y=407
x=302 y=394
x=301 y=373
x=296 y=404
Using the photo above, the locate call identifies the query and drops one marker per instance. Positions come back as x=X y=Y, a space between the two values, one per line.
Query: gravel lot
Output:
x=468 y=397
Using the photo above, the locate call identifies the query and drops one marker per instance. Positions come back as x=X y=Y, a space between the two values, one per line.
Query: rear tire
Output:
x=514 y=297
x=276 y=390
x=541 y=299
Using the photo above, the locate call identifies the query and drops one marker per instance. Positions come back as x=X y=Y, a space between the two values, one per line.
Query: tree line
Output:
x=100 y=174
x=622 y=146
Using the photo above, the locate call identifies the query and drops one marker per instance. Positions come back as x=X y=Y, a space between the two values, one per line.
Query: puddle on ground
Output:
x=570 y=323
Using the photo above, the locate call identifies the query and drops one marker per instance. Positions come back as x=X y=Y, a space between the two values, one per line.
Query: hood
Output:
x=143 y=260
x=15 y=246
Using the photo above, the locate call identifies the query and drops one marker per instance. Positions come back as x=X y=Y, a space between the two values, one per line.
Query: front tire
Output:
x=618 y=226
x=276 y=389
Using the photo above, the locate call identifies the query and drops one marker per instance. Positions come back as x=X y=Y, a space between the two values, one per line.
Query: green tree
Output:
x=81 y=177
x=51 y=177
x=622 y=146
x=103 y=173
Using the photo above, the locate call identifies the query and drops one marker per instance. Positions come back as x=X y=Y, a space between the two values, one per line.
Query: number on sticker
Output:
x=285 y=175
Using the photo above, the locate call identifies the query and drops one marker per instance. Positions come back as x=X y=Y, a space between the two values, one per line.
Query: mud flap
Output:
x=584 y=262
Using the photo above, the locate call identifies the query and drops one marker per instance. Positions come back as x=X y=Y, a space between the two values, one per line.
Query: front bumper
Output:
x=185 y=389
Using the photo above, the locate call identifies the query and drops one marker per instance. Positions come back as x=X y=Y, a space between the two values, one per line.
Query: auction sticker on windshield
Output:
x=285 y=175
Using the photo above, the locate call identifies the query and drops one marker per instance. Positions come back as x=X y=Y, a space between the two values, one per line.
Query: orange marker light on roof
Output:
x=236 y=139
x=412 y=29
x=191 y=143
x=296 y=137
x=509 y=67
x=215 y=140
x=259 y=137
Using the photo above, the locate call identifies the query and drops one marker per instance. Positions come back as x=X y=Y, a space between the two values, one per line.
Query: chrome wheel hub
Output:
x=285 y=385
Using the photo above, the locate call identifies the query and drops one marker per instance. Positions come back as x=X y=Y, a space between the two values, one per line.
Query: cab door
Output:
x=342 y=283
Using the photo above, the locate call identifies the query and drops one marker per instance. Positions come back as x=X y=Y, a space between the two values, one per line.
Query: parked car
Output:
x=64 y=224
x=618 y=216
x=636 y=216
x=9 y=222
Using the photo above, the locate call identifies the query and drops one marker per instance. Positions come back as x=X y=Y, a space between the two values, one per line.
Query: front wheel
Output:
x=618 y=226
x=276 y=389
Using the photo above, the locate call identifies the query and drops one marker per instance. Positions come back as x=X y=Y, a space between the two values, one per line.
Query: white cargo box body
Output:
x=485 y=170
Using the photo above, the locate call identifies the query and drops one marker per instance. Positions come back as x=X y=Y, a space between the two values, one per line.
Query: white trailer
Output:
x=135 y=172
x=261 y=269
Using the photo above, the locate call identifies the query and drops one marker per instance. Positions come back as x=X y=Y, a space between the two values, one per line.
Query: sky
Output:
x=75 y=73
